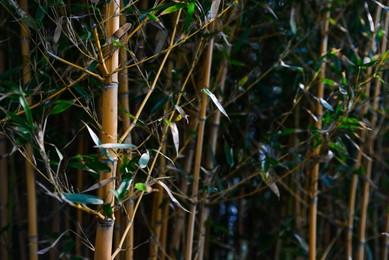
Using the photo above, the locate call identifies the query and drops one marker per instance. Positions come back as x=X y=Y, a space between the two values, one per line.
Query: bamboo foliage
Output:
x=166 y=176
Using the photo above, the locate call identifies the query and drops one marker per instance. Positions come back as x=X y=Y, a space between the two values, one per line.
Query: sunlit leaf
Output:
x=326 y=105
x=215 y=101
x=173 y=8
x=292 y=20
x=144 y=160
x=143 y=187
x=176 y=136
x=123 y=188
x=83 y=198
x=100 y=184
x=214 y=9
x=328 y=82
x=189 y=15
x=95 y=138
x=182 y=113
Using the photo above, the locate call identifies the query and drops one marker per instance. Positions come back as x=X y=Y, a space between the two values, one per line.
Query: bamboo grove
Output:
x=192 y=129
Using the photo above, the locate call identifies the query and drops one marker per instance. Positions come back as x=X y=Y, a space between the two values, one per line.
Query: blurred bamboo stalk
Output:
x=314 y=178
x=4 y=242
x=125 y=105
x=30 y=175
x=211 y=151
x=80 y=187
x=203 y=81
x=104 y=232
x=4 y=205
x=369 y=145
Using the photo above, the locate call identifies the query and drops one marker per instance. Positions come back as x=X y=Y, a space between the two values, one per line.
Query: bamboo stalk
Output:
x=30 y=175
x=369 y=146
x=104 y=233
x=314 y=178
x=385 y=244
x=80 y=184
x=213 y=138
x=124 y=103
x=4 y=207
x=204 y=80
x=158 y=212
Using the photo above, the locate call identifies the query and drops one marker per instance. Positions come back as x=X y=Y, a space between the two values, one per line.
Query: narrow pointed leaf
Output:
x=123 y=188
x=26 y=108
x=46 y=249
x=215 y=101
x=214 y=9
x=95 y=138
x=326 y=105
x=176 y=136
x=163 y=185
x=83 y=198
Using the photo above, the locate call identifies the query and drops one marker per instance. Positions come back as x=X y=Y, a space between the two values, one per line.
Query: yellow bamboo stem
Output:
x=205 y=76
x=30 y=175
x=104 y=232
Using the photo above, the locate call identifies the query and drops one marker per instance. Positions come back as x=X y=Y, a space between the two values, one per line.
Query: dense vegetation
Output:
x=194 y=129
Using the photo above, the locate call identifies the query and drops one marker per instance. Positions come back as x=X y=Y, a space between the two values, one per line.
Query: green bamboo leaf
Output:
x=141 y=186
x=159 y=104
x=144 y=160
x=60 y=106
x=26 y=108
x=83 y=198
x=173 y=8
x=189 y=15
x=152 y=17
x=123 y=188
x=107 y=209
x=215 y=101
